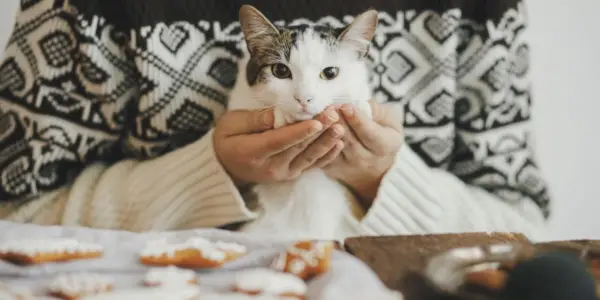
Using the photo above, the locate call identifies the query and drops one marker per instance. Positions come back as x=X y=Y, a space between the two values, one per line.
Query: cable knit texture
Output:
x=107 y=107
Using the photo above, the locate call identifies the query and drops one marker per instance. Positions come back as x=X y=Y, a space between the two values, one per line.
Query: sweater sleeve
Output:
x=488 y=179
x=416 y=199
x=66 y=86
x=137 y=196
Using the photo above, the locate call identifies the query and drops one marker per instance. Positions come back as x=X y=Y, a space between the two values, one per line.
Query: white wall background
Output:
x=565 y=42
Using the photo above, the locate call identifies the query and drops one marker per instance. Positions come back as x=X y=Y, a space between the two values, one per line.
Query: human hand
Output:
x=251 y=151
x=370 y=147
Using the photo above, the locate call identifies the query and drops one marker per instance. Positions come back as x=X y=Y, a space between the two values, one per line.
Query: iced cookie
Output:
x=163 y=255
x=232 y=250
x=197 y=253
x=169 y=276
x=76 y=285
x=305 y=259
x=267 y=282
x=47 y=250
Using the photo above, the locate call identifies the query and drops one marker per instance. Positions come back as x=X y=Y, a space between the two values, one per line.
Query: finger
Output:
x=238 y=122
x=366 y=130
x=354 y=150
x=328 y=117
x=276 y=141
x=320 y=147
x=328 y=158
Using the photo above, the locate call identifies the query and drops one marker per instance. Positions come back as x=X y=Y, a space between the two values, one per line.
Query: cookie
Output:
x=169 y=276
x=267 y=282
x=76 y=285
x=27 y=252
x=490 y=279
x=196 y=253
x=163 y=255
x=305 y=259
x=232 y=250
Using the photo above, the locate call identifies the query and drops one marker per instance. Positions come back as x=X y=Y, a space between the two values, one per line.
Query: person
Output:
x=114 y=115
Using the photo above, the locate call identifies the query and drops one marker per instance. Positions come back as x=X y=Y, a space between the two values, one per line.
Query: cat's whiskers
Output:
x=262 y=100
x=342 y=100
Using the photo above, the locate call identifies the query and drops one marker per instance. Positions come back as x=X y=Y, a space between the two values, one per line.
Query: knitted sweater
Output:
x=106 y=110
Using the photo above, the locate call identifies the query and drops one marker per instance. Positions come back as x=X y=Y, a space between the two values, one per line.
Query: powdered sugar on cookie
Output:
x=305 y=259
x=207 y=248
x=169 y=276
x=41 y=246
x=75 y=285
x=47 y=250
x=159 y=249
x=269 y=282
x=230 y=247
x=196 y=252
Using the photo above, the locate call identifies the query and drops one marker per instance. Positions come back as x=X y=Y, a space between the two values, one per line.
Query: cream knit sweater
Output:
x=106 y=115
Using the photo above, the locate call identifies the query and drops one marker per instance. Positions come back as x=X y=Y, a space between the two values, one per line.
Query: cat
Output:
x=300 y=71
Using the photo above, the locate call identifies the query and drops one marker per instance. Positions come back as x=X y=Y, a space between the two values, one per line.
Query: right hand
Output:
x=251 y=151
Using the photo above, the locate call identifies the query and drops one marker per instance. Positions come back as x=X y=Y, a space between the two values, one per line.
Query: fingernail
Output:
x=316 y=127
x=337 y=131
x=331 y=115
x=348 y=110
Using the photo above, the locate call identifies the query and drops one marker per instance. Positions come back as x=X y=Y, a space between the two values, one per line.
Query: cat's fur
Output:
x=313 y=205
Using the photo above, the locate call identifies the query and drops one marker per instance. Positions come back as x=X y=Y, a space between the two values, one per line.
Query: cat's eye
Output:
x=281 y=71
x=329 y=73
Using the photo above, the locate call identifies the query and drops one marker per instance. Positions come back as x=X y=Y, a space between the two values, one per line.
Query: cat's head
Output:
x=304 y=69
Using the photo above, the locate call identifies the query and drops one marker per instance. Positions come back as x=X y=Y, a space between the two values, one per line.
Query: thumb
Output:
x=239 y=122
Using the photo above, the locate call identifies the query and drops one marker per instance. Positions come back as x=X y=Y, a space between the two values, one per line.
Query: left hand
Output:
x=370 y=147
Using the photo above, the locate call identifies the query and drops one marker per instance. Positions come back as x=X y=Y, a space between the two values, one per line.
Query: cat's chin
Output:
x=297 y=117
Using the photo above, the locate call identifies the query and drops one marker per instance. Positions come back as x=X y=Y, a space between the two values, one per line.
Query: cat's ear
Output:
x=258 y=31
x=360 y=32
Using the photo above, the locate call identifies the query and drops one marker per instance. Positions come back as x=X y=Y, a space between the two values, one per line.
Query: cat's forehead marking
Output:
x=279 y=51
x=326 y=33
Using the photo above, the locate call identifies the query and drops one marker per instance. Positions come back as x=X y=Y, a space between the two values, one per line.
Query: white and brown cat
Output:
x=300 y=71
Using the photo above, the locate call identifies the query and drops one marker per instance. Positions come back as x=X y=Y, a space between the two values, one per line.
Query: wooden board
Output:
x=399 y=260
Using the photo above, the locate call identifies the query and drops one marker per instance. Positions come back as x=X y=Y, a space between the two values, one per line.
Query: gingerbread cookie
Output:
x=267 y=282
x=197 y=253
x=28 y=252
x=76 y=285
x=163 y=255
x=169 y=276
x=232 y=250
x=305 y=259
